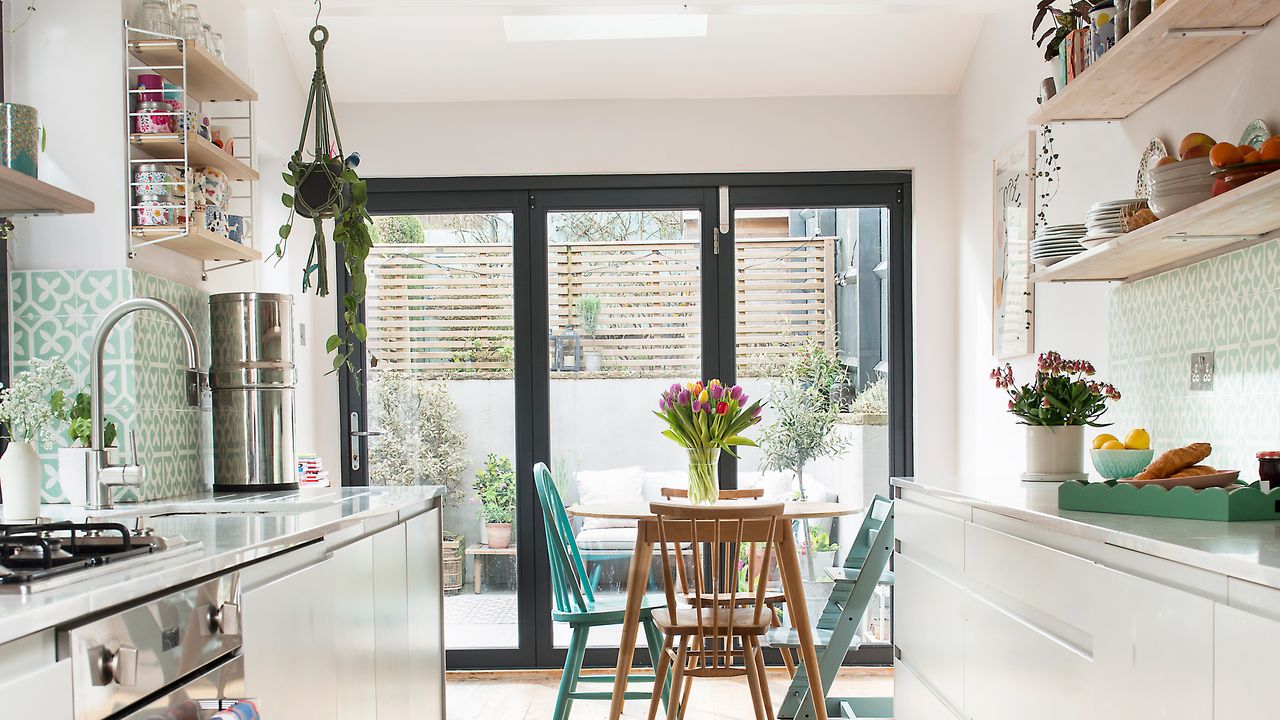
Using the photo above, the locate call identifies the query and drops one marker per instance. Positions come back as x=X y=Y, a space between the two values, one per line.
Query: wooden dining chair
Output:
x=704 y=637
x=774 y=597
x=575 y=603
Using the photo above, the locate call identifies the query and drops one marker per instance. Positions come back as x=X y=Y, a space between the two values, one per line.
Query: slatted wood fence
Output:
x=447 y=308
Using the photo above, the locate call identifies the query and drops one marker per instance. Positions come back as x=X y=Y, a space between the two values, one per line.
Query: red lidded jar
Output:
x=1269 y=467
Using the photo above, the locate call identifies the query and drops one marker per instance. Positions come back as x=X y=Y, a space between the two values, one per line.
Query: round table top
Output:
x=794 y=510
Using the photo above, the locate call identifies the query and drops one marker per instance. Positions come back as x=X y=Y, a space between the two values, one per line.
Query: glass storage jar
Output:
x=153 y=16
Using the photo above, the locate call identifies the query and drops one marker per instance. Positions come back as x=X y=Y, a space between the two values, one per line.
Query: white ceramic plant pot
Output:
x=73 y=468
x=1055 y=450
x=592 y=362
x=20 y=481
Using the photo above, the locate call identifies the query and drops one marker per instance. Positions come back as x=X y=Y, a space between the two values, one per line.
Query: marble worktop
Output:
x=1246 y=550
x=221 y=531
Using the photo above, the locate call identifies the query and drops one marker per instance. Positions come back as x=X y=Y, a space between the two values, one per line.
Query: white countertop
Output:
x=1247 y=550
x=231 y=529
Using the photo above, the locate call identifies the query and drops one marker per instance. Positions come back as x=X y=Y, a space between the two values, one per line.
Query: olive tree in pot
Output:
x=495 y=486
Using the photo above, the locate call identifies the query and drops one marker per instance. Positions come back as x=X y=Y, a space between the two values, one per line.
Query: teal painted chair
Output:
x=576 y=604
x=835 y=633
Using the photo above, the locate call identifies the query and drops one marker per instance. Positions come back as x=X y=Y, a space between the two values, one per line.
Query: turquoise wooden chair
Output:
x=576 y=604
x=835 y=633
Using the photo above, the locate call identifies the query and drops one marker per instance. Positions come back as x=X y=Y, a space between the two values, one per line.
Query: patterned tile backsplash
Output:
x=54 y=315
x=1229 y=305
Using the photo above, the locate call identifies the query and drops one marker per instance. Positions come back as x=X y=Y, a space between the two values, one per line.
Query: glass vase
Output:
x=704 y=475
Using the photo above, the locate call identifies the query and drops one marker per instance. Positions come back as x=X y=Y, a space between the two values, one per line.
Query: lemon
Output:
x=1113 y=445
x=1138 y=439
x=1103 y=439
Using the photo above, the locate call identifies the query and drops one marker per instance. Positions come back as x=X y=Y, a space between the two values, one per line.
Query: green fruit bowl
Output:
x=1117 y=464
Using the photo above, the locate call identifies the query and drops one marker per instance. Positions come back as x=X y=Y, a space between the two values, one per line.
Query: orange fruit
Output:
x=1246 y=149
x=1271 y=149
x=1253 y=157
x=1224 y=154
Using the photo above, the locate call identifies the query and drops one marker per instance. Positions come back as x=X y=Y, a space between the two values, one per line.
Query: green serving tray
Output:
x=1239 y=502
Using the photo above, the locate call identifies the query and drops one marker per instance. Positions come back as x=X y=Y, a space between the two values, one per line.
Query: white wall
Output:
x=749 y=135
x=1099 y=162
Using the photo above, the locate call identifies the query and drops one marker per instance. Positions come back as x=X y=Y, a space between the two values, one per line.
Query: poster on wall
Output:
x=1013 y=321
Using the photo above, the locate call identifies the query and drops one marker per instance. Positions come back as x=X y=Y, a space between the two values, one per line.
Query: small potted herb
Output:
x=495 y=485
x=73 y=459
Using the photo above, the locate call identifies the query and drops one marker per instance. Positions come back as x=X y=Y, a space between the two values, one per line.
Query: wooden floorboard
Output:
x=531 y=694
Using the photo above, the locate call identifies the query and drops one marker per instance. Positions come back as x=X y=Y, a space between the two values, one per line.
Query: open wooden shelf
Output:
x=1154 y=57
x=167 y=147
x=207 y=77
x=198 y=243
x=1236 y=219
x=21 y=194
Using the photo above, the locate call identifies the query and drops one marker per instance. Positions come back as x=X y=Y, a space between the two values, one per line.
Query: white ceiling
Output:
x=452 y=51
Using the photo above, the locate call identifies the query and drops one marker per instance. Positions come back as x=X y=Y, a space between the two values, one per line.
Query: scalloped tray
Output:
x=1239 y=502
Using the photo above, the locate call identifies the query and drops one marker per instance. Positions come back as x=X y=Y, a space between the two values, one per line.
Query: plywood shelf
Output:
x=207 y=77
x=167 y=147
x=1155 y=56
x=21 y=194
x=197 y=243
x=1236 y=219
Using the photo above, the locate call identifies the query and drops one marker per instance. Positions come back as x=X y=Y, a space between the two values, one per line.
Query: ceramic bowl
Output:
x=1186 y=168
x=1116 y=464
x=1164 y=204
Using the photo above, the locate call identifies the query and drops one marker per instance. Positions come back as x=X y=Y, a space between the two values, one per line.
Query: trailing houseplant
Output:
x=326 y=186
x=1063 y=23
x=1056 y=406
x=495 y=486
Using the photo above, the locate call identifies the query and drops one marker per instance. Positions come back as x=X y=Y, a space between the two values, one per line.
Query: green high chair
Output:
x=576 y=604
x=836 y=630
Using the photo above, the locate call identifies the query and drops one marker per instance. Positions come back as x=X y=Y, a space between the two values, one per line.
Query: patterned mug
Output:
x=238 y=228
x=215 y=186
x=215 y=220
x=19 y=138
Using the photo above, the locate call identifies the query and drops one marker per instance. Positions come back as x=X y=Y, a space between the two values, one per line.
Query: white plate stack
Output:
x=1056 y=243
x=1105 y=220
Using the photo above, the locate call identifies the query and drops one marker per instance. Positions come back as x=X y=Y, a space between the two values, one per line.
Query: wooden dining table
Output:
x=638 y=582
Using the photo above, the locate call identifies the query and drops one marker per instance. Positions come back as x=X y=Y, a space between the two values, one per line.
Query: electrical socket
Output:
x=1201 y=371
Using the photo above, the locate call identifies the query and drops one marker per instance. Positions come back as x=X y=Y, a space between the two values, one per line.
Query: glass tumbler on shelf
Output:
x=189 y=25
x=219 y=47
x=207 y=36
x=153 y=16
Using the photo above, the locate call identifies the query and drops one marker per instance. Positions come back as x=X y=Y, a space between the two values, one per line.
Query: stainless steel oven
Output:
x=182 y=643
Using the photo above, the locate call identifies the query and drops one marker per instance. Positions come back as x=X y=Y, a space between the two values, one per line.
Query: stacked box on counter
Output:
x=311 y=471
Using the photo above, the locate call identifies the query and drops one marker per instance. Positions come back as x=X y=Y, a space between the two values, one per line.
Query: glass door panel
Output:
x=441 y=391
x=811 y=304
x=624 y=312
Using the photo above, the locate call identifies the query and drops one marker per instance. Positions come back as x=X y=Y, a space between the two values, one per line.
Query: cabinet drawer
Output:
x=1246 y=652
x=44 y=694
x=930 y=537
x=913 y=699
x=1059 y=585
x=1013 y=671
x=929 y=627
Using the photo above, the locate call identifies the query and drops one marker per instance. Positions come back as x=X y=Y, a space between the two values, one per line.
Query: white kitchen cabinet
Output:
x=932 y=640
x=426 y=615
x=912 y=700
x=353 y=630
x=391 y=623
x=289 y=644
x=1246 y=652
x=43 y=694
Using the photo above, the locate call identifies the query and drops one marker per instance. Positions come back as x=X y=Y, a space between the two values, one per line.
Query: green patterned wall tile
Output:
x=1229 y=305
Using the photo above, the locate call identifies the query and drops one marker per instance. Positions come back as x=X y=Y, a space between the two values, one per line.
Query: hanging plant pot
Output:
x=321 y=191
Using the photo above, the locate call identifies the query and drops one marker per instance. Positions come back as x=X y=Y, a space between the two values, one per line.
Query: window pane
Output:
x=441 y=390
x=811 y=338
x=624 y=307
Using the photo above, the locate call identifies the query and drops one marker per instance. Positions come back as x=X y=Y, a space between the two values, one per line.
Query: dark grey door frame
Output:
x=528 y=199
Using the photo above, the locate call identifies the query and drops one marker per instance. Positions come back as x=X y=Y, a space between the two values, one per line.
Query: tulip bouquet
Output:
x=705 y=419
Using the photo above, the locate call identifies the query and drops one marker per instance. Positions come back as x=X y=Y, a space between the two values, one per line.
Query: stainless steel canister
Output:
x=253 y=381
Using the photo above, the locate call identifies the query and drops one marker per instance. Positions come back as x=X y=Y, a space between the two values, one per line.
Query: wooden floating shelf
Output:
x=207 y=77
x=1155 y=56
x=167 y=147
x=21 y=194
x=198 y=243
x=1236 y=219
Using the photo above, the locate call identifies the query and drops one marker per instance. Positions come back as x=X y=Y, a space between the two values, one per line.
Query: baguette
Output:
x=1195 y=471
x=1174 y=460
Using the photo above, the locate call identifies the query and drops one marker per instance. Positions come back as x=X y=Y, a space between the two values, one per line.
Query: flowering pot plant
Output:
x=705 y=418
x=1063 y=392
x=30 y=410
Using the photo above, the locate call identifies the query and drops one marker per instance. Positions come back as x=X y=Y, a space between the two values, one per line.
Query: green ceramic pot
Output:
x=19 y=137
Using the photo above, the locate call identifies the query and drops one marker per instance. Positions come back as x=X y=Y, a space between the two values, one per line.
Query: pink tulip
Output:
x=697 y=406
x=683 y=398
x=736 y=393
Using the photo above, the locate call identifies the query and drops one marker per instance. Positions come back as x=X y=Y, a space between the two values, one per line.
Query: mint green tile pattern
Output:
x=54 y=315
x=1229 y=305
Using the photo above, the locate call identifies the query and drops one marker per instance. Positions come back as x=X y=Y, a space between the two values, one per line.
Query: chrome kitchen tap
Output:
x=100 y=475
